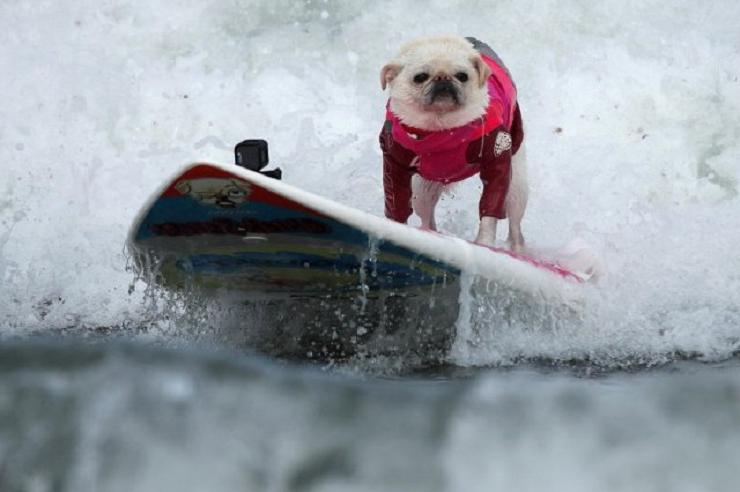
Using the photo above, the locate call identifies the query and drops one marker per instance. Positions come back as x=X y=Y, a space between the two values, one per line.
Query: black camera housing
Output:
x=253 y=155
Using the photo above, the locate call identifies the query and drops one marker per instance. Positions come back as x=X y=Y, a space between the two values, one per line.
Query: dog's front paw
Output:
x=516 y=246
x=484 y=242
x=486 y=231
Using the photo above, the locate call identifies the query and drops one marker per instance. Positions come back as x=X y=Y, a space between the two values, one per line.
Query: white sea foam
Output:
x=632 y=111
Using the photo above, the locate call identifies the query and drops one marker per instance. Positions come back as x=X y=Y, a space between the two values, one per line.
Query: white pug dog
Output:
x=453 y=113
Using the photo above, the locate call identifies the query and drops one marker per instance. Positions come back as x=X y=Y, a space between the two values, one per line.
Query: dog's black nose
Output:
x=444 y=88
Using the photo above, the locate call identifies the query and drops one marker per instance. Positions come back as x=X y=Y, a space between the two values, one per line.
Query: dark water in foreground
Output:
x=118 y=416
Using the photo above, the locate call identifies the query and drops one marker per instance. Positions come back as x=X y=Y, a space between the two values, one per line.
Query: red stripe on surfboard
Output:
x=545 y=265
x=541 y=264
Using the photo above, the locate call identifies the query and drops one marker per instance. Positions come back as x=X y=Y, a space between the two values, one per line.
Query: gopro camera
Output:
x=252 y=155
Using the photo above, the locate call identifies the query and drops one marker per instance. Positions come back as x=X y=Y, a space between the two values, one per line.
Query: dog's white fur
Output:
x=442 y=57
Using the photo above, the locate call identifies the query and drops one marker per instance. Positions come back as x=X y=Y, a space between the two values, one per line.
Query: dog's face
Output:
x=437 y=83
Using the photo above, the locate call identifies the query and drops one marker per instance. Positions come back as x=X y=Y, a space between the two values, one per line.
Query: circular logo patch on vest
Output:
x=502 y=144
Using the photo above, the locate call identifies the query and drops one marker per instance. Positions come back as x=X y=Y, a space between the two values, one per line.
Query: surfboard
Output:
x=329 y=280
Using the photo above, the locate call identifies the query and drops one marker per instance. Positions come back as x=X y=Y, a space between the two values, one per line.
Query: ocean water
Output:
x=632 y=114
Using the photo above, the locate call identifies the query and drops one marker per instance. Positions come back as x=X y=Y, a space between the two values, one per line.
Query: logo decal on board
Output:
x=224 y=193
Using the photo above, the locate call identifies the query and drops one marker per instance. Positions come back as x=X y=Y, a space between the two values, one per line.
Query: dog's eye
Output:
x=461 y=76
x=420 y=78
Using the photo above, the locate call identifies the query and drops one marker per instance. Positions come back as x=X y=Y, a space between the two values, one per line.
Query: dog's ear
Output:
x=388 y=73
x=481 y=69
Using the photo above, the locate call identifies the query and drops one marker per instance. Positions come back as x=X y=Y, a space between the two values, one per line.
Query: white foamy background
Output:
x=632 y=111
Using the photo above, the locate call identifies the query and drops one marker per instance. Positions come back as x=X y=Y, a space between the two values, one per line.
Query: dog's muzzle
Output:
x=444 y=89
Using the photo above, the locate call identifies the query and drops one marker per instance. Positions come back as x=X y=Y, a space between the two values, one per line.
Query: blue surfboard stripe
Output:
x=378 y=274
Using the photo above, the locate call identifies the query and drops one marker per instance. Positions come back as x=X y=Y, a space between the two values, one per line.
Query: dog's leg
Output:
x=487 y=231
x=516 y=199
x=424 y=200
